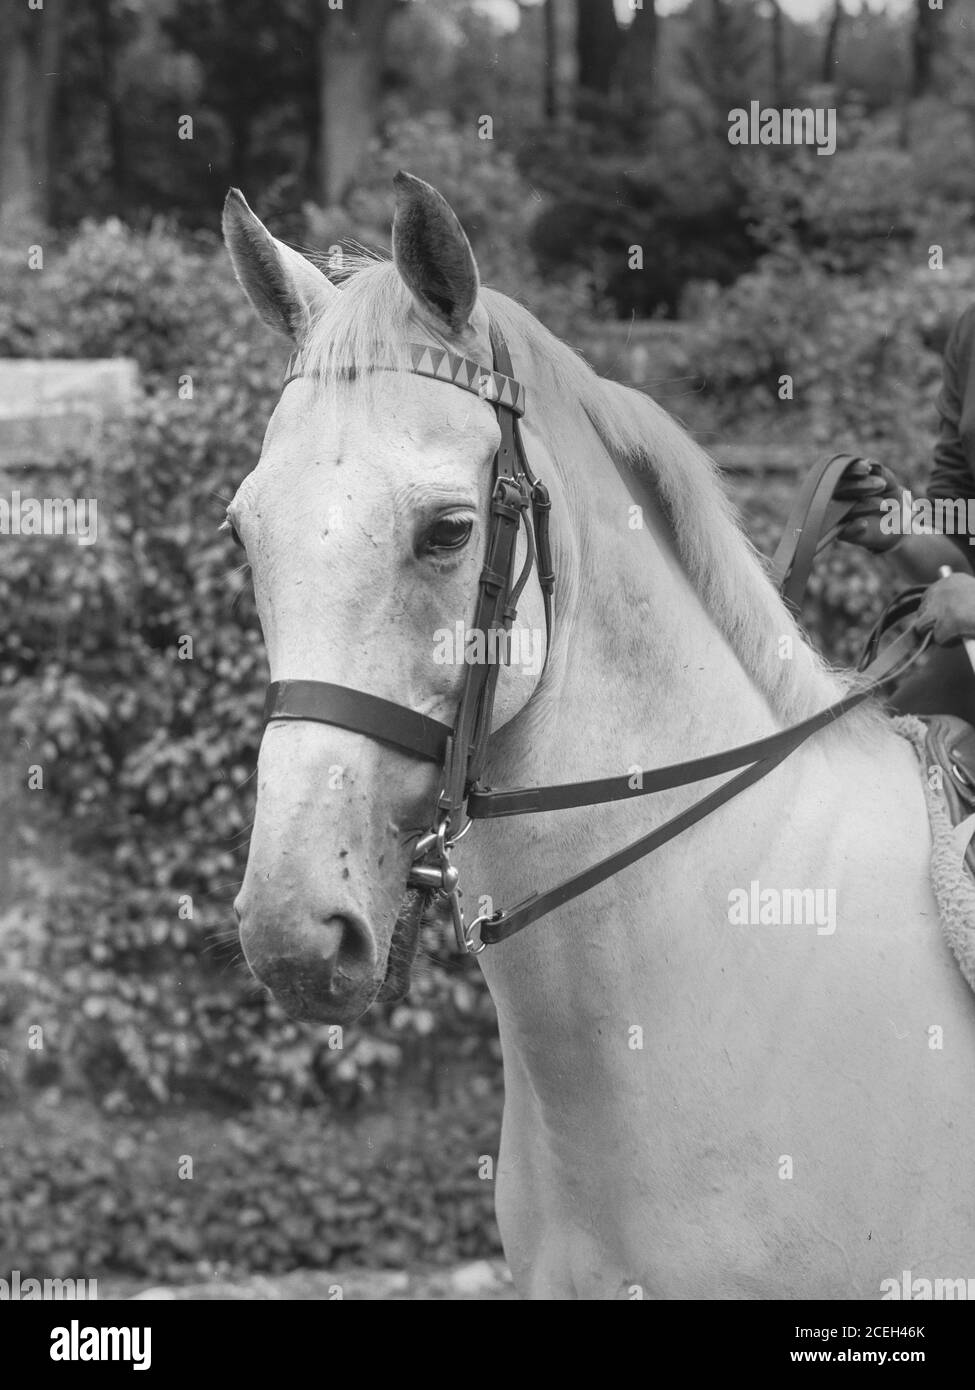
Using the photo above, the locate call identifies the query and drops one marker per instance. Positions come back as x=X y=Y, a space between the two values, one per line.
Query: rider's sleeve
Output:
x=953 y=474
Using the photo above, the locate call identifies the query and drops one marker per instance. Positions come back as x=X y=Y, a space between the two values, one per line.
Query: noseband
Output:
x=519 y=500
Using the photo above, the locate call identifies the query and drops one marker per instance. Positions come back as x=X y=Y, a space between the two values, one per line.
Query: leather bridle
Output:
x=520 y=501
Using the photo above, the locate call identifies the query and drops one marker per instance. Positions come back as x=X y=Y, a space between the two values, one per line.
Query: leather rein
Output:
x=520 y=501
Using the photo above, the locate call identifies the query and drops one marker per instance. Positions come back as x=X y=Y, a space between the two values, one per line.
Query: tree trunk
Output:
x=778 y=55
x=114 y=125
x=831 y=51
x=552 y=112
x=18 y=192
x=924 y=39
x=719 y=48
x=350 y=53
x=29 y=46
x=561 y=56
x=639 y=61
x=597 y=45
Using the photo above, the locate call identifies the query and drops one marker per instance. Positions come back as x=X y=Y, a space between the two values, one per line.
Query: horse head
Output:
x=365 y=523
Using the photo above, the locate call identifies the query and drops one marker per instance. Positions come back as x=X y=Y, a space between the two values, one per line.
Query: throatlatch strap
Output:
x=361 y=713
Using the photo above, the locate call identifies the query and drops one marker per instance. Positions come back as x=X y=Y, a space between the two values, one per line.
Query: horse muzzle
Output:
x=322 y=970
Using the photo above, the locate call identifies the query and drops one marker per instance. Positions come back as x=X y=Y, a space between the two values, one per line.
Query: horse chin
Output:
x=403 y=946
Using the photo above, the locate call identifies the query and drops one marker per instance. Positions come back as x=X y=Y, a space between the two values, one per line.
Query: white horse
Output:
x=695 y=1106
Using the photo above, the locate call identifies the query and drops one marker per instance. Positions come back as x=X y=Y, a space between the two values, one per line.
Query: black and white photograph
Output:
x=487 y=667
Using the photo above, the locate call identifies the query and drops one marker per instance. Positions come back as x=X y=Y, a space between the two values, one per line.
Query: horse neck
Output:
x=639 y=676
x=639 y=672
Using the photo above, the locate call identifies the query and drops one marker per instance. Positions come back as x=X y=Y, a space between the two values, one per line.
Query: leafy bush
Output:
x=150 y=756
x=863 y=359
x=496 y=205
x=873 y=206
x=605 y=195
x=267 y=1193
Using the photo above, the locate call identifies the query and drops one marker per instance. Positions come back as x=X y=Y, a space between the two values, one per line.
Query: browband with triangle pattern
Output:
x=471 y=376
x=458 y=371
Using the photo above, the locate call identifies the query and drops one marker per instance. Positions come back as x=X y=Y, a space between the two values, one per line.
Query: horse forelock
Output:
x=371 y=325
x=368 y=325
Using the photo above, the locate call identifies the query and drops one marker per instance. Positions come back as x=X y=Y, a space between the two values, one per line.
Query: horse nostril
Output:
x=324 y=953
x=356 y=953
x=322 y=971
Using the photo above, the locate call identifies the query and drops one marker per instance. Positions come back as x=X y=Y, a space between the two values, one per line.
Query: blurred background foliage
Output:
x=609 y=132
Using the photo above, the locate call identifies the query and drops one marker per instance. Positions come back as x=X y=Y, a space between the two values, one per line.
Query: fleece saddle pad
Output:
x=945 y=747
x=949 y=744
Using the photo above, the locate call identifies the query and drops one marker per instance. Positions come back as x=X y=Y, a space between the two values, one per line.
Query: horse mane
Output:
x=370 y=323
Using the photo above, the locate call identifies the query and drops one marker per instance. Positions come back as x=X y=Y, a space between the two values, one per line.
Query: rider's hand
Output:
x=948 y=609
x=872 y=484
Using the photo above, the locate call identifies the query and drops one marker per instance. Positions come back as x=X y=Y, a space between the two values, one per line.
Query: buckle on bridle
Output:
x=511 y=497
x=444 y=878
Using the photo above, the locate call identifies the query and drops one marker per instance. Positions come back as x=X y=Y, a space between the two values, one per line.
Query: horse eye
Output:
x=449 y=533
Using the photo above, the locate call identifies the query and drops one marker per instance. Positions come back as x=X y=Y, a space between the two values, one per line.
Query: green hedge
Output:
x=150 y=757
x=270 y=1192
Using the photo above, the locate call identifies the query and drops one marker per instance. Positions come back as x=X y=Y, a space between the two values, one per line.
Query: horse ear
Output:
x=286 y=289
x=432 y=253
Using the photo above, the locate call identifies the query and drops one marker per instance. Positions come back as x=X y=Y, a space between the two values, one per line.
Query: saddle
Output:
x=949 y=741
x=949 y=745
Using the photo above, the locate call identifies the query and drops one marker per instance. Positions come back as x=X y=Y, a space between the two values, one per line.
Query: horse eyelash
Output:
x=226 y=526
